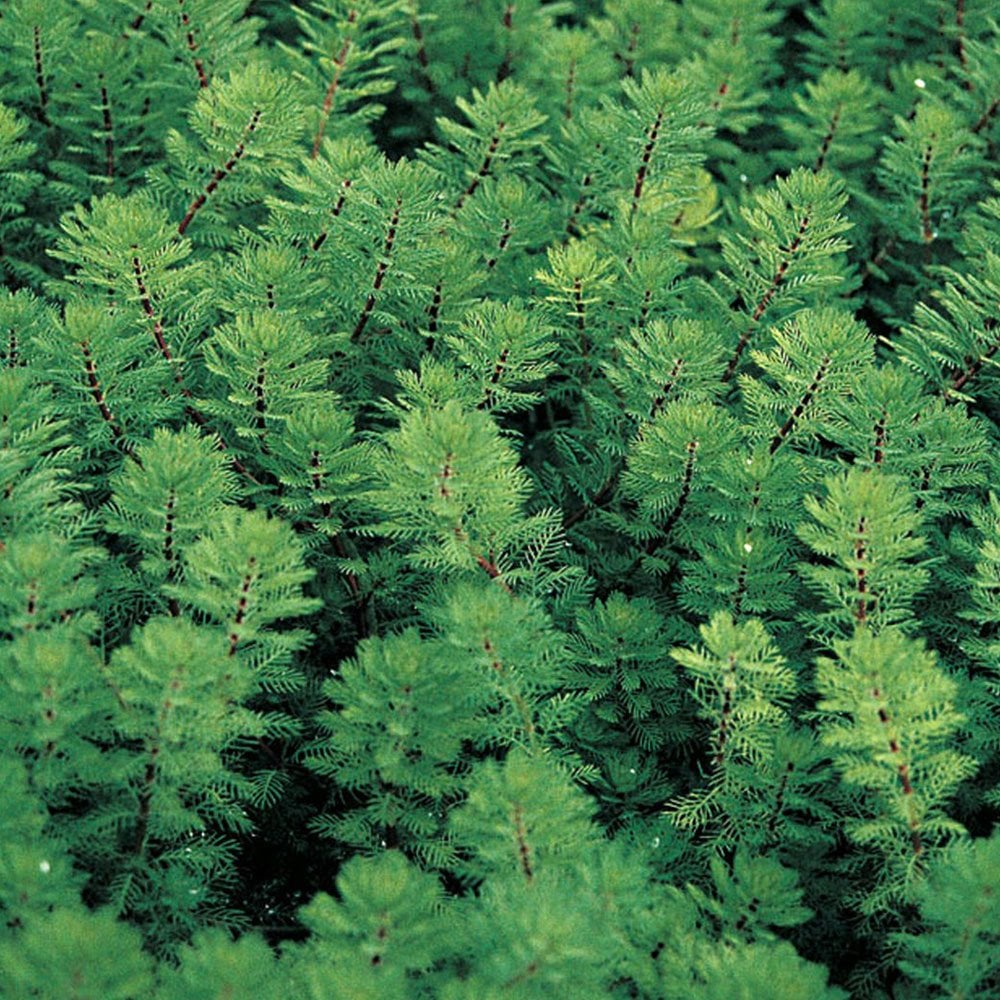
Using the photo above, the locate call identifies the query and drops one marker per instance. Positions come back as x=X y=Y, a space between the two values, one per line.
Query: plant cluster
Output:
x=499 y=499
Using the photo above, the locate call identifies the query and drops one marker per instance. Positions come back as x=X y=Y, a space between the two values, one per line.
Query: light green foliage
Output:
x=16 y=185
x=786 y=254
x=661 y=129
x=888 y=715
x=74 y=954
x=866 y=531
x=498 y=499
x=523 y=820
x=743 y=690
x=955 y=345
x=168 y=696
x=754 y=897
x=450 y=485
x=537 y=941
x=638 y=34
x=511 y=653
x=386 y=924
x=817 y=358
x=503 y=351
x=676 y=460
x=37 y=38
x=342 y=59
x=166 y=497
x=958 y=901
x=214 y=966
x=661 y=362
x=245 y=574
x=106 y=367
x=930 y=170
x=127 y=250
x=204 y=39
x=268 y=369
x=501 y=139
x=617 y=662
x=759 y=969
x=406 y=706
x=836 y=125
x=245 y=129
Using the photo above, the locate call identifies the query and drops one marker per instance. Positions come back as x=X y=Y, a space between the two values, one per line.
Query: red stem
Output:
x=220 y=174
x=331 y=91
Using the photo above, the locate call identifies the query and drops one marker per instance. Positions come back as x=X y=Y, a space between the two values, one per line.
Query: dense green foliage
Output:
x=495 y=499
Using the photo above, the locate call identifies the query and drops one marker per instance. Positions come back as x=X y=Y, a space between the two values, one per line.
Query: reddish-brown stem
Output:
x=925 y=485
x=861 y=575
x=140 y=17
x=963 y=59
x=578 y=206
x=647 y=155
x=776 y=282
x=720 y=92
x=484 y=169
x=523 y=851
x=169 y=554
x=512 y=692
x=880 y=438
x=507 y=66
x=147 y=307
x=158 y=334
x=193 y=46
x=339 y=62
x=109 y=134
x=97 y=393
x=725 y=712
x=505 y=235
x=490 y=568
x=752 y=907
x=498 y=370
x=383 y=266
x=43 y=94
x=418 y=36
x=145 y=800
x=741 y=580
x=974 y=367
x=241 y=605
x=779 y=800
x=434 y=309
x=260 y=406
x=220 y=174
x=628 y=59
x=570 y=88
x=903 y=770
x=800 y=408
x=335 y=212
x=666 y=388
x=647 y=298
x=824 y=147
x=986 y=116
x=685 y=492
x=925 y=188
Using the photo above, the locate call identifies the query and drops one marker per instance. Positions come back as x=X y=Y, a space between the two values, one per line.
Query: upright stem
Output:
x=220 y=174
x=339 y=62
